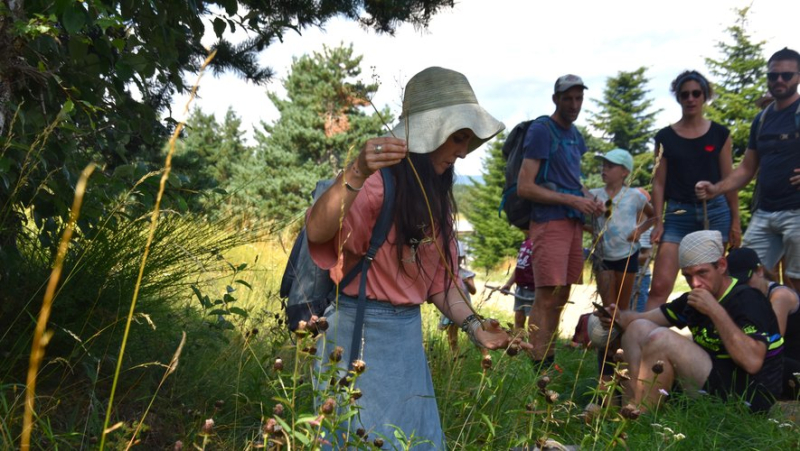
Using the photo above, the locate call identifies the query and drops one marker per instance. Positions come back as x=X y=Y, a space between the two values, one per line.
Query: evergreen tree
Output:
x=740 y=75
x=493 y=239
x=210 y=158
x=740 y=80
x=625 y=117
x=322 y=121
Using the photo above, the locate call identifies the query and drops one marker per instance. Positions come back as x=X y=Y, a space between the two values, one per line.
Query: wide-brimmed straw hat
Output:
x=437 y=103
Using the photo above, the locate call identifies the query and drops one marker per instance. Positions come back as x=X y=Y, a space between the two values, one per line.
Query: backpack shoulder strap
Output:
x=379 y=233
x=797 y=116
x=761 y=120
x=555 y=142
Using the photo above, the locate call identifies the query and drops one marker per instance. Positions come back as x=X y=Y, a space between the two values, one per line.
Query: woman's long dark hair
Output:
x=411 y=217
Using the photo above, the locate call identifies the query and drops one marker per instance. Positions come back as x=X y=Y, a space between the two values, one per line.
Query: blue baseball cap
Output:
x=618 y=156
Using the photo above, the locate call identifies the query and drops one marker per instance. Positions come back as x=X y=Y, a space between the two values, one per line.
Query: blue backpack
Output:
x=306 y=288
x=518 y=209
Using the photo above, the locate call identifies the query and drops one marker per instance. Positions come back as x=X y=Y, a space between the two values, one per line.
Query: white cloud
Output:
x=513 y=50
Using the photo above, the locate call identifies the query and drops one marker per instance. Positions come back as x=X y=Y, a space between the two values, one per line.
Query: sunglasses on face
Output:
x=609 y=208
x=786 y=76
x=695 y=93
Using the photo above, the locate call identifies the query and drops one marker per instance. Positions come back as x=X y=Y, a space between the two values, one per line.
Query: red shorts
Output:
x=557 y=252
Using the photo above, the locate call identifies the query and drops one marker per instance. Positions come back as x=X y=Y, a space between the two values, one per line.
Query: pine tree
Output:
x=323 y=123
x=493 y=239
x=625 y=117
x=209 y=157
x=740 y=81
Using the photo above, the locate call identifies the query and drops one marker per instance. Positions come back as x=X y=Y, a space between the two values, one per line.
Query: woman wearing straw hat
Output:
x=441 y=122
x=692 y=149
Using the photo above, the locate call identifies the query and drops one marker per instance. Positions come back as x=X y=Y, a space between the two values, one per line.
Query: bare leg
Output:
x=623 y=287
x=544 y=317
x=665 y=271
x=645 y=343
x=519 y=319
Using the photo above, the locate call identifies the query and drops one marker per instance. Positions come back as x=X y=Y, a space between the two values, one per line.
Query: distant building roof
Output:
x=463 y=226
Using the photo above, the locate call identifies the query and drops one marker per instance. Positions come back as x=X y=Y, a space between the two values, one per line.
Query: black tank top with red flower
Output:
x=691 y=160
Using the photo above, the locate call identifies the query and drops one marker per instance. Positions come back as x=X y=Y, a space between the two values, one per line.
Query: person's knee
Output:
x=637 y=332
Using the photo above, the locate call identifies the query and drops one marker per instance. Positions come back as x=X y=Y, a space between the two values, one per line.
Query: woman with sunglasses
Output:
x=692 y=149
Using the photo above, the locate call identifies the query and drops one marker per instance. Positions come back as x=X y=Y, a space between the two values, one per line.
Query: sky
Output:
x=513 y=50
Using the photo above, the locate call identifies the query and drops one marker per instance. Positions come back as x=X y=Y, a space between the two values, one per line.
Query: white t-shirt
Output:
x=625 y=208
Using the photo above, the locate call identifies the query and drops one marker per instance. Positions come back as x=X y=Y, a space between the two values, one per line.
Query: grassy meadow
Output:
x=207 y=342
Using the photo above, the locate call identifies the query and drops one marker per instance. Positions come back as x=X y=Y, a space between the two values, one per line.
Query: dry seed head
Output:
x=531 y=406
x=619 y=356
x=208 y=427
x=513 y=349
x=359 y=366
x=486 y=362
x=630 y=412
x=658 y=367
x=361 y=432
x=378 y=442
x=328 y=406
x=543 y=382
x=550 y=396
x=278 y=410
x=336 y=354
x=591 y=412
x=322 y=324
x=178 y=446
x=219 y=404
x=278 y=365
x=356 y=394
x=270 y=427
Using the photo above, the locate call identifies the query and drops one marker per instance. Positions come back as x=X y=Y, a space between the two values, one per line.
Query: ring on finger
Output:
x=378 y=148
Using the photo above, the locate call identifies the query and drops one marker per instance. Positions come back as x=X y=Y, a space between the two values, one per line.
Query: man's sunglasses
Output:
x=695 y=93
x=786 y=76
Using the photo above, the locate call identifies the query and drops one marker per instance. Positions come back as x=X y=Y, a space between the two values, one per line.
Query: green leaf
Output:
x=228 y=298
x=125 y=171
x=240 y=281
x=197 y=293
x=74 y=18
x=488 y=423
x=219 y=27
x=218 y=311
x=241 y=267
x=239 y=311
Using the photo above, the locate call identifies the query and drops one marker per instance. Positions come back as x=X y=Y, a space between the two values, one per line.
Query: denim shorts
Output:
x=677 y=226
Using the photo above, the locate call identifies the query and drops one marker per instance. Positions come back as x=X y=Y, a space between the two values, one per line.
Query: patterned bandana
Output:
x=701 y=247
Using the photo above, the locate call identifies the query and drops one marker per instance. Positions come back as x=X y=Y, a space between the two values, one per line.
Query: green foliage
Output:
x=625 y=118
x=740 y=75
x=323 y=120
x=740 y=80
x=494 y=239
x=90 y=80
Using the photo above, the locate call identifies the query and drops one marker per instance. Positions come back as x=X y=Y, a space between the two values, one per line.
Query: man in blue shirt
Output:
x=550 y=178
x=774 y=153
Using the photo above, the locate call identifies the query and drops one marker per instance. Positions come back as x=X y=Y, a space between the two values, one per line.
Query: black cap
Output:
x=742 y=263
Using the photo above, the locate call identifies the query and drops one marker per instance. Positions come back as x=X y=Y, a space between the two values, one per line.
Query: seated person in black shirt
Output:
x=736 y=348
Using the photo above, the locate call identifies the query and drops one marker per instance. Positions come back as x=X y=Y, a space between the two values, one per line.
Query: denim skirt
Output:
x=396 y=387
